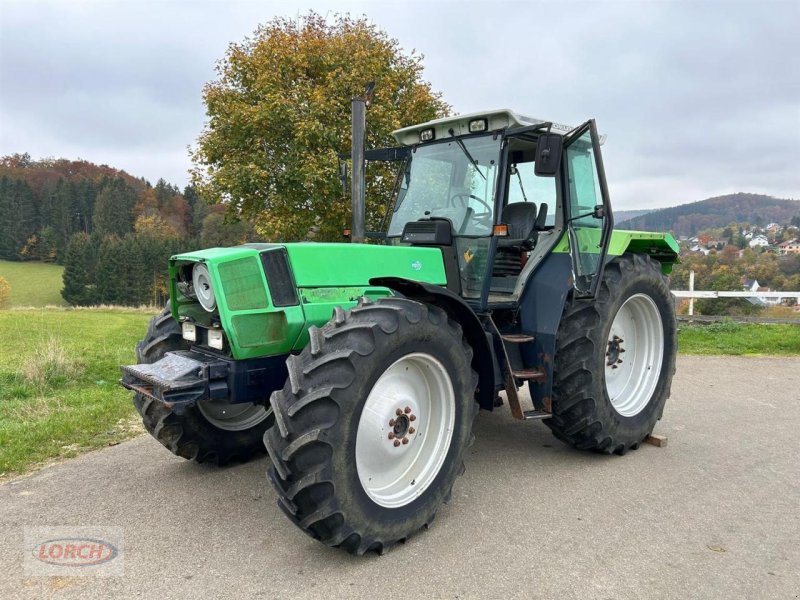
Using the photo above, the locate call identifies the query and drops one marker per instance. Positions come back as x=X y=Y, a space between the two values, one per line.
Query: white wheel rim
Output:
x=399 y=455
x=634 y=355
x=233 y=417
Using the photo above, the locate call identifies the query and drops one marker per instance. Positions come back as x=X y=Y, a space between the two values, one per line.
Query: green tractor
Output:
x=360 y=367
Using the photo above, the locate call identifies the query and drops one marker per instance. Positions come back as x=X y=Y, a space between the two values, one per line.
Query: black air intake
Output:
x=279 y=277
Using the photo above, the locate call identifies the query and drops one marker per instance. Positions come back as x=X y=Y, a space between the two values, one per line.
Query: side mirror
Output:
x=548 y=155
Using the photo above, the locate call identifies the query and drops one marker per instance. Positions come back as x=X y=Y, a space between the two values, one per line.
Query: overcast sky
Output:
x=697 y=98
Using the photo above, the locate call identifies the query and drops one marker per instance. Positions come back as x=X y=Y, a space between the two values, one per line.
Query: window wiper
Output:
x=466 y=152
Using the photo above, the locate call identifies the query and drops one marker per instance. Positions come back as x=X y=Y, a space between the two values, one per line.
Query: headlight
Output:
x=215 y=338
x=189 y=331
x=477 y=125
x=201 y=280
x=426 y=135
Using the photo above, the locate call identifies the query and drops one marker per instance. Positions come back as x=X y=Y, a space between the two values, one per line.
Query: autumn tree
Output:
x=5 y=293
x=155 y=225
x=279 y=114
x=216 y=233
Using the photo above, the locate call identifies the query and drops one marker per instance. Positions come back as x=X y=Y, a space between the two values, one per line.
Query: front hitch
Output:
x=185 y=377
x=179 y=380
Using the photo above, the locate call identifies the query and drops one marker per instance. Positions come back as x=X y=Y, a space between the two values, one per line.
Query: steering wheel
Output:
x=466 y=197
x=482 y=219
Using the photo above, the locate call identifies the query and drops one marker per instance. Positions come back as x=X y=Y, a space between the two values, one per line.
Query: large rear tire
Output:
x=206 y=432
x=615 y=358
x=373 y=423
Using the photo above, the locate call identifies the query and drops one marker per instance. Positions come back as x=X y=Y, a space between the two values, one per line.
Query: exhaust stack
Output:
x=359 y=131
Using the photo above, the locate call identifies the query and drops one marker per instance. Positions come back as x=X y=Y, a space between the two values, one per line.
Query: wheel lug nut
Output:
x=391 y=435
x=398 y=412
x=613 y=366
x=619 y=361
x=391 y=422
x=405 y=440
x=407 y=409
x=396 y=443
x=411 y=430
x=412 y=418
x=622 y=349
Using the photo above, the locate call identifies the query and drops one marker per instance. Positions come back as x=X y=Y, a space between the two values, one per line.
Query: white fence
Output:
x=693 y=294
x=745 y=294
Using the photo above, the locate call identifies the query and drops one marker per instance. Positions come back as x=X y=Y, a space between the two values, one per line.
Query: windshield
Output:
x=441 y=180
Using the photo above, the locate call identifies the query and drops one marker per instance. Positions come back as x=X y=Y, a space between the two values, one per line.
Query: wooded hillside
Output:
x=689 y=219
x=112 y=231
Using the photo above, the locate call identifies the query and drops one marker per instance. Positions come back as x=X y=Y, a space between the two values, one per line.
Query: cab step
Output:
x=517 y=338
x=535 y=375
x=529 y=415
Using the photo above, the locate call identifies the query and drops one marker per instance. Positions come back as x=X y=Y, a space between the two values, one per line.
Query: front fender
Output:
x=484 y=359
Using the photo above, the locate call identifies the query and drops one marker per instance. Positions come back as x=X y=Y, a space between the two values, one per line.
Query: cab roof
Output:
x=502 y=118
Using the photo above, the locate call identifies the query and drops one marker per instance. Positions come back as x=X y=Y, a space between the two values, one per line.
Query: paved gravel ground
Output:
x=715 y=514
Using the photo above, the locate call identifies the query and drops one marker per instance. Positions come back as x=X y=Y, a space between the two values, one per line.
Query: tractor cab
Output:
x=492 y=192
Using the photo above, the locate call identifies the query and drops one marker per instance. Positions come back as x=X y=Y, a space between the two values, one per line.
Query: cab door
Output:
x=589 y=218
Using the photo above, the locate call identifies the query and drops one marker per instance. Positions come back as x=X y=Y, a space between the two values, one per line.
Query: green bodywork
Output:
x=661 y=246
x=325 y=276
x=330 y=275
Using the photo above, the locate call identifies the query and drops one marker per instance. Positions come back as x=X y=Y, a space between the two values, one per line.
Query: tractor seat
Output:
x=521 y=219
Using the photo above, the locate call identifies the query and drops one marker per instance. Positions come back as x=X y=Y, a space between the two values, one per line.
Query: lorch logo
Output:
x=416 y=265
x=75 y=552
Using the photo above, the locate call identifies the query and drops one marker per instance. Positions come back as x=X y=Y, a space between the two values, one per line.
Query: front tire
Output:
x=615 y=358
x=373 y=424
x=208 y=431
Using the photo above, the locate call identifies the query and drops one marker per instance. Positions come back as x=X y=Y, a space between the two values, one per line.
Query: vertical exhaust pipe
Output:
x=359 y=132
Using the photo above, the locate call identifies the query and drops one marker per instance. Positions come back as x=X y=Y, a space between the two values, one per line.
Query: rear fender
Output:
x=659 y=246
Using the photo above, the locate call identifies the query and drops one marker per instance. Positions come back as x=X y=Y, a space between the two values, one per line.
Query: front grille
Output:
x=242 y=284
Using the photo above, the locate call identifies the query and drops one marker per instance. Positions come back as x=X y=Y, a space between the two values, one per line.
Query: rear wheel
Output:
x=372 y=425
x=208 y=431
x=615 y=358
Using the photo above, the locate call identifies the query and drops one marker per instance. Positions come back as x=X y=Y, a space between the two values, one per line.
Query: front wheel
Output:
x=373 y=423
x=214 y=432
x=615 y=358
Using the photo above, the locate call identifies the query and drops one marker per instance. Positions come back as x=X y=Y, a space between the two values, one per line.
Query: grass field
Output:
x=33 y=283
x=59 y=369
x=728 y=337
x=58 y=382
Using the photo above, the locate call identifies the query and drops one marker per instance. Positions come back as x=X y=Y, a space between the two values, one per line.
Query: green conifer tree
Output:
x=113 y=209
x=78 y=271
x=109 y=276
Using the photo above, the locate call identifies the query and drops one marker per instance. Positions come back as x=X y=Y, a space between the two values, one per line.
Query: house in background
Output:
x=716 y=244
x=759 y=241
x=698 y=248
x=752 y=285
x=789 y=247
